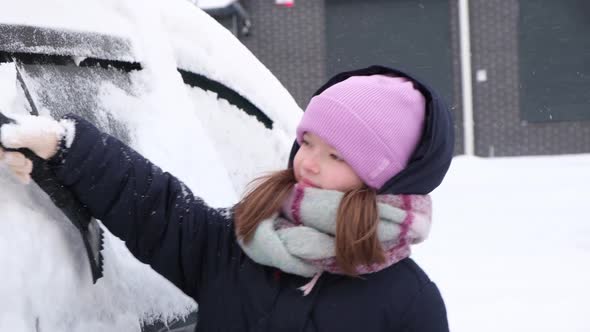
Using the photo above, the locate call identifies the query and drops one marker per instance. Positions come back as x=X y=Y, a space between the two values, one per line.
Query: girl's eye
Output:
x=335 y=157
x=304 y=142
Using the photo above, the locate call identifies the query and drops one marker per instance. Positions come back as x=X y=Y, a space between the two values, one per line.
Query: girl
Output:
x=321 y=246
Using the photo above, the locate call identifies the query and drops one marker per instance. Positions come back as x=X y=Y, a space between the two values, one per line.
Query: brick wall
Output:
x=291 y=43
x=499 y=129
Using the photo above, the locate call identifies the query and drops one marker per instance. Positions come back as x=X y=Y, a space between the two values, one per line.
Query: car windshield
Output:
x=74 y=75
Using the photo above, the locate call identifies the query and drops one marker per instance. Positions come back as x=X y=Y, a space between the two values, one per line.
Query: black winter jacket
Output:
x=194 y=246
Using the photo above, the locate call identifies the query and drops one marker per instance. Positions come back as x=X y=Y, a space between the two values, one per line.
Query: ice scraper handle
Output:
x=65 y=200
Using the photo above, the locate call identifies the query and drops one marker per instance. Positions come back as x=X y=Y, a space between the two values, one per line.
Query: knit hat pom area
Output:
x=375 y=122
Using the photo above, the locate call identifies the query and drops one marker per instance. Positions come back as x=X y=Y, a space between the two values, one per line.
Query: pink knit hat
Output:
x=375 y=122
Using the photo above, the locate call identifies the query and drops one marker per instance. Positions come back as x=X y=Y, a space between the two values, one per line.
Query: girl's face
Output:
x=319 y=165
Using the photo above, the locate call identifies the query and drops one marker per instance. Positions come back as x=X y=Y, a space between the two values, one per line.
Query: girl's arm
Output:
x=157 y=216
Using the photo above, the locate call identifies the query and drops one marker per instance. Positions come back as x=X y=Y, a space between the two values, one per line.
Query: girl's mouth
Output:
x=308 y=183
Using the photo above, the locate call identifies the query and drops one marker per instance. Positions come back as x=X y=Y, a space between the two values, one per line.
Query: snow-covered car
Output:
x=222 y=9
x=167 y=79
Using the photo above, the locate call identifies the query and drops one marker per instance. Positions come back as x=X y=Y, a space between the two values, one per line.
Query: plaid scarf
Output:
x=301 y=239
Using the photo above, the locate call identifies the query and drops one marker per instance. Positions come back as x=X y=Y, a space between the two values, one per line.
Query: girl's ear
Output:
x=356 y=231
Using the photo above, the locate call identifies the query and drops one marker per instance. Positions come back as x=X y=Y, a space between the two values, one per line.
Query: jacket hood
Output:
x=431 y=159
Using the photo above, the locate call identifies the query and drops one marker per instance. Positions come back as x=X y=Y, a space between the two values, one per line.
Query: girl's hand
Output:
x=37 y=133
x=19 y=164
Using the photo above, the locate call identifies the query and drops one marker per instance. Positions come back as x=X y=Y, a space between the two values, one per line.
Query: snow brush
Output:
x=64 y=199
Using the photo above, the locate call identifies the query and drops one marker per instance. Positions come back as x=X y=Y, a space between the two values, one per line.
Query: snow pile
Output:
x=510 y=244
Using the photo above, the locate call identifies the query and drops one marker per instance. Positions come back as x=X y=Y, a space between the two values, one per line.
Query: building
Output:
x=526 y=86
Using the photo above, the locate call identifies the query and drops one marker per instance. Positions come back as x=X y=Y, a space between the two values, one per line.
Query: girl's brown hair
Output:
x=356 y=222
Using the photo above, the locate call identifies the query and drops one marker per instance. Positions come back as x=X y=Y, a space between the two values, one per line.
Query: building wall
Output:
x=499 y=127
x=409 y=35
x=291 y=42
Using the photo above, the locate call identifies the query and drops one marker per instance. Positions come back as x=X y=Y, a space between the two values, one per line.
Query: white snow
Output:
x=212 y=4
x=166 y=127
x=240 y=139
x=8 y=87
x=107 y=17
x=46 y=278
x=229 y=63
x=510 y=244
x=101 y=18
x=46 y=283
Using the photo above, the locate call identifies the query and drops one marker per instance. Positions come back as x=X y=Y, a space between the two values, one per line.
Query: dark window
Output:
x=554 y=55
x=405 y=34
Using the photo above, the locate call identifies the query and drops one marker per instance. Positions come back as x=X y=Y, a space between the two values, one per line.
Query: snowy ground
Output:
x=510 y=244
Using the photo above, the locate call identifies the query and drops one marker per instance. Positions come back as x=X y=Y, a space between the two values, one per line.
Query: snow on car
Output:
x=165 y=78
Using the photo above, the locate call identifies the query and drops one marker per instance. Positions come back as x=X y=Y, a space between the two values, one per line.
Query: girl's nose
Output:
x=311 y=165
